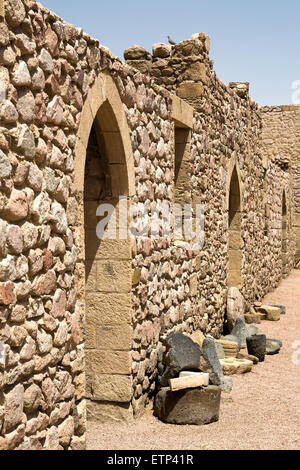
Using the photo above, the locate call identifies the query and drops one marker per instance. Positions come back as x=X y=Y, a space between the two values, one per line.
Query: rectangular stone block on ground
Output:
x=192 y=381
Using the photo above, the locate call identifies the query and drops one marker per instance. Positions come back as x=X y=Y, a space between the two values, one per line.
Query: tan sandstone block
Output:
x=114 y=338
x=113 y=388
x=235 y=240
x=108 y=309
x=233 y=366
x=235 y=259
x=297 y=220
x=182 y=113
x=198 y=337
x=90 y=339
x=235 y=222
x=196 y=71
x=106 y=249
x=91 y=276
x=2 y=8
x=272 y=313
x=192 y=381
x=109 y=362
x=234 y=278
x=109 y=413
x=190 y=90
x=193 y=285
x=114 y=276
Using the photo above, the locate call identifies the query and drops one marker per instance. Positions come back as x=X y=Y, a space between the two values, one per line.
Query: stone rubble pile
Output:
x=196 y=368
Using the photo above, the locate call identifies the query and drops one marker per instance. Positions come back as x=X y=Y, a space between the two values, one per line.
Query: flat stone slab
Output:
x=282 y=308
x=272 y=313
x=189 y=381
x=243 y=355
x=232 y=366
x=198 y=406
x=230 y=348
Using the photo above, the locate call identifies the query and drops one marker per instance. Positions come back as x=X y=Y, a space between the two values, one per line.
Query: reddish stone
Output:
x=59 y=304
x=17 y=207
x=15 y=239
x=47 y=259
x=45 y=284
x=51 y=41
x=7 y=293
x=40 y=110
x=52 y=86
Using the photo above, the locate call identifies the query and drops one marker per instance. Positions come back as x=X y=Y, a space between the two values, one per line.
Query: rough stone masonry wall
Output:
x=281 y=141
x=48 y=68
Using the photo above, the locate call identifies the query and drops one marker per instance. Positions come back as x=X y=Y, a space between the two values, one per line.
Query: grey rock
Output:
x=5 y=165
x=242 y=331
x=220 y=351
x=198 y=406
x=211 y=362
x=46 y=61
x=276 y=341
x=226 y=384
x=181 y=354
x=273 y=347
x=230 y=338
x=252 y=330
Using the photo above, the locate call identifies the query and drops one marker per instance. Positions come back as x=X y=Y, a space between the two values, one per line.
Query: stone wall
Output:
x=281 y=142
x=81 y=321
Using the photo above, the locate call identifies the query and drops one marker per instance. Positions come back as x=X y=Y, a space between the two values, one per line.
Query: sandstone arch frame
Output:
x=284 y=235
x=235 y=209
x=107 y=263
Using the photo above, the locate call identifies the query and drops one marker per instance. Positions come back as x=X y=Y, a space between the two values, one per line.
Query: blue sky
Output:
x=255 y=40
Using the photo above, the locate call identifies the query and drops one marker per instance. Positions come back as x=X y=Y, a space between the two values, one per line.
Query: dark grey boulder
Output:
x=181 y=354
x=197 y=406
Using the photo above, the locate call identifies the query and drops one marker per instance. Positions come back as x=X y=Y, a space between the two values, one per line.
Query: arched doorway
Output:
x=234 y=232
x=284 y=245
x=103 y=174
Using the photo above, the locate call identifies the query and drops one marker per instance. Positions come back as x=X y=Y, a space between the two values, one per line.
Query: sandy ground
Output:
x=262 y=412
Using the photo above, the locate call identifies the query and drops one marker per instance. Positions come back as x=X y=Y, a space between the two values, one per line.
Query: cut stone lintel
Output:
x=182 y=113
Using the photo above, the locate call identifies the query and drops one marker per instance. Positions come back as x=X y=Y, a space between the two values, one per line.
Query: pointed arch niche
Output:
x=284 y=236
x=104 y=172
x=234 y=230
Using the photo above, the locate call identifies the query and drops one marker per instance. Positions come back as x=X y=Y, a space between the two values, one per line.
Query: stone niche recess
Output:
x=82 y=318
